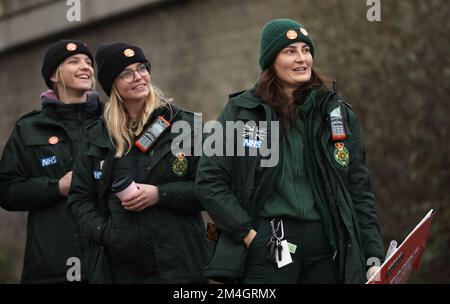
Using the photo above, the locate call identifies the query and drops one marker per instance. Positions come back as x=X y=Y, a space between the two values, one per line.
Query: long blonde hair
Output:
x=121 y=129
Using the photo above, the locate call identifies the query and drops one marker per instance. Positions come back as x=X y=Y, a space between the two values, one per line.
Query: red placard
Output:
x=398 y=266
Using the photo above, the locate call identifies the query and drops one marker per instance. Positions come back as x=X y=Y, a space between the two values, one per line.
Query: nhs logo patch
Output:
x=98 y=175
x=48 y=161
x=252 y=136
x=251 y=143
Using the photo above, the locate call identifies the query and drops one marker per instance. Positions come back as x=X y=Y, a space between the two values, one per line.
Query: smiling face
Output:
x=138 y=87
x=74 y=76
x=293 y=66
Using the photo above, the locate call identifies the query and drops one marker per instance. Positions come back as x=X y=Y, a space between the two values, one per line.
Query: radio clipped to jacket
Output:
x=337 y=125
x=151 y=134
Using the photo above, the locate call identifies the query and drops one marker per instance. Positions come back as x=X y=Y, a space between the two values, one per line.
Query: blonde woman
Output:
x=154 y=233
x=36 y=166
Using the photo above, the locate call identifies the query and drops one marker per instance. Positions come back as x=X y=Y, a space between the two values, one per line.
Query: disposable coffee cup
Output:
x=124 y=188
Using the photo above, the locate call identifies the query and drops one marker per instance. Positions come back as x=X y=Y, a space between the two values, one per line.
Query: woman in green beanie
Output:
x=310 y=218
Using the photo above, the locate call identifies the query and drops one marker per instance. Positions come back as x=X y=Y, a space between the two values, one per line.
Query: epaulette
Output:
x=32 y=113
x=95 y=122
x=340 y=99
x=235 y=94
x=347 y=104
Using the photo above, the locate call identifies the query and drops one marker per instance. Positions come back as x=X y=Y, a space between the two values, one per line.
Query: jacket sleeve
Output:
x=18 y=190
x=83 y=200
x=180 y=196
x=213 y=188
x=362 y=195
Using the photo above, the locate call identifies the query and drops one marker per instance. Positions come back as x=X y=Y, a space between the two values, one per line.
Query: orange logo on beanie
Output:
x=304 y=32
x=71 y=47
x=128 y=53
x=291 y=34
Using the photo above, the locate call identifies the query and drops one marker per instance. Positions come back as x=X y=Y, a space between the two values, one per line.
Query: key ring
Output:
x=274 y=231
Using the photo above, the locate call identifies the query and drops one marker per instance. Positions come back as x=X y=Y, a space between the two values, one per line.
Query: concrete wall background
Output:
x=203 y=50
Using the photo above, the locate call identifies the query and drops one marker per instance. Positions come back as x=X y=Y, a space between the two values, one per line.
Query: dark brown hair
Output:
x=270 y=90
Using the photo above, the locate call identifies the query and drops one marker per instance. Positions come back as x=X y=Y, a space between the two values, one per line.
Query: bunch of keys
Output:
x=274 y=242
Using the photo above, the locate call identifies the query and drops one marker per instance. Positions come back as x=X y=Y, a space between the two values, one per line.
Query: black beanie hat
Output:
x=112 y=58
x=59 y=52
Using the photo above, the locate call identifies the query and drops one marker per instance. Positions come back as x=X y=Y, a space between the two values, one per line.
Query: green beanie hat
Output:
x=276 y=35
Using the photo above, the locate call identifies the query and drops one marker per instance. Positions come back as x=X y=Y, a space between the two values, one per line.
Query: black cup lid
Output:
x=121 y=183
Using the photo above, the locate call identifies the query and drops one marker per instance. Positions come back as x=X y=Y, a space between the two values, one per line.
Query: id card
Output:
x=285 y=255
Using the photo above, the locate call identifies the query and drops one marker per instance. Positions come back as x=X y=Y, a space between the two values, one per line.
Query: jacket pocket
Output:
x=49 y=152
x=122 y=245
x=227 y=263
x=97 y=269
x=44 y=140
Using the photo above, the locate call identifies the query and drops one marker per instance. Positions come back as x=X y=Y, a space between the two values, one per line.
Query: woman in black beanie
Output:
x=131 y=194
x=307 y=216
x=36 y=165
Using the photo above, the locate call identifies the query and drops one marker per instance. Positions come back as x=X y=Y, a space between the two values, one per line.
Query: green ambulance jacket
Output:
x=41 y=150
x=232 y=189
x=179 y=242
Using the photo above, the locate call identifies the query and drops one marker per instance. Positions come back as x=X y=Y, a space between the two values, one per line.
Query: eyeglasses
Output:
x=127 y=75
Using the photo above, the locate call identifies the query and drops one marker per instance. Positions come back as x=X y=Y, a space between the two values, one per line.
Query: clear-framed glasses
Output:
x=143 y=69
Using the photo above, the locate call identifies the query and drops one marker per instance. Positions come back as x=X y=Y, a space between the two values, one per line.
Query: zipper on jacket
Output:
x=138 y=248
x=332 y=202
x=81 y=126
x=300 y=199
x=136 y=216
x=337 y=219
x=261 y=171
